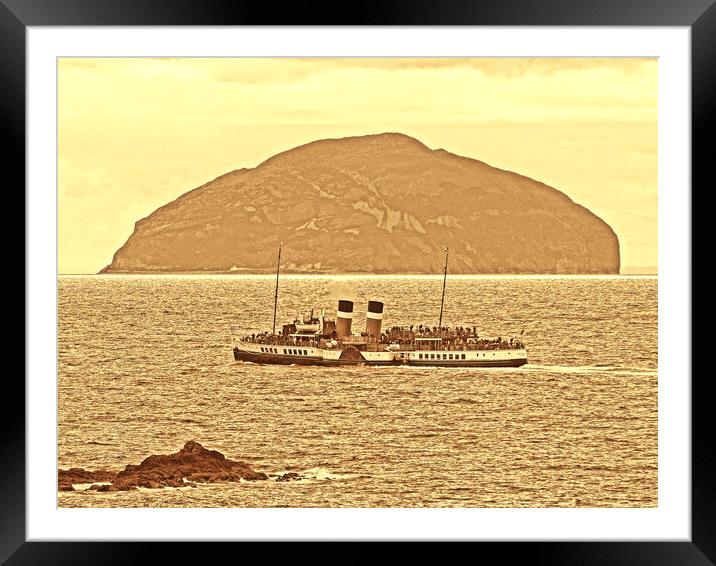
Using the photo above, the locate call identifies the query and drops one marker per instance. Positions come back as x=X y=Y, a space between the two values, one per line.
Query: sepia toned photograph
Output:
x=357 y=282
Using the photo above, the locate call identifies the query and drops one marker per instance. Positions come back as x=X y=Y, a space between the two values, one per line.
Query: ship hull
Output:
x=320 y=357
x=514 y=363
x=287 y=360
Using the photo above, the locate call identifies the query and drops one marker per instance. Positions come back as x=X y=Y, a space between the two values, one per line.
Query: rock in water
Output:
x=289 y=476
x=191 y=464
x=65 y=478
x=373 y=204
x=104 y=488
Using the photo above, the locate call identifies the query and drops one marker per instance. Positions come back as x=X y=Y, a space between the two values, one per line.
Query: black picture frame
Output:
x=699 y=15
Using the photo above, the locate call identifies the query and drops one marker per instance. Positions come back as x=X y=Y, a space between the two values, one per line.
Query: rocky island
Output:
x=381 y=203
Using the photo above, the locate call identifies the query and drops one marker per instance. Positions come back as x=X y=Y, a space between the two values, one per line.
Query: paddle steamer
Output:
x=320 y=340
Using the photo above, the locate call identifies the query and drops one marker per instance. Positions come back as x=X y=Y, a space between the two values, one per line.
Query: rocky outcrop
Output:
x=192 y=464
x=374 y=204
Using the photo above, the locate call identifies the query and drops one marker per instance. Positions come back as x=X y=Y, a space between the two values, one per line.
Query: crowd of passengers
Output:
x=453 y=338
x=262 y=338
x=457 y=338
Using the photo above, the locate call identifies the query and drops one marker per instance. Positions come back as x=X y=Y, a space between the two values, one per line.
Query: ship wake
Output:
x=596 y=369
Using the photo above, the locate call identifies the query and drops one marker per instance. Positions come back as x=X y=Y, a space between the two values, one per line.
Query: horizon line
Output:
x=626 y=272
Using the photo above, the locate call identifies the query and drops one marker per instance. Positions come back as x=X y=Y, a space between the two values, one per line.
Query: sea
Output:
x=145 y=364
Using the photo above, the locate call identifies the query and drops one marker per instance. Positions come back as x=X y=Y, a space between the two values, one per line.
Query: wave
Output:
x=318 y=473
x=325 y=474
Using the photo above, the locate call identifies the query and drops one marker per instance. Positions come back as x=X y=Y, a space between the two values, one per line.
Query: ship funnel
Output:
x=374 y=320
x=344 y=318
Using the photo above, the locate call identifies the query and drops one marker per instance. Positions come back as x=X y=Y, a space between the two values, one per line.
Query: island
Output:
x=383 y=203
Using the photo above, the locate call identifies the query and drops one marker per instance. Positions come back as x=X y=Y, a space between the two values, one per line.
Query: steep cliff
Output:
x=375 y=204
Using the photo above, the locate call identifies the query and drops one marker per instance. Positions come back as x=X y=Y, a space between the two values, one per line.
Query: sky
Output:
x=134 y=134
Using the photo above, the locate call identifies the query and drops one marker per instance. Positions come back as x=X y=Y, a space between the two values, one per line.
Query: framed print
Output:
x=423 y=278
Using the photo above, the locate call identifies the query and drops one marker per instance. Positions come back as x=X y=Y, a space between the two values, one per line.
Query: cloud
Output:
x=287 y=70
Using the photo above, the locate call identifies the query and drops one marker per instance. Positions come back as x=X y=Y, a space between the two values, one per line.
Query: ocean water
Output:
x=145 y=364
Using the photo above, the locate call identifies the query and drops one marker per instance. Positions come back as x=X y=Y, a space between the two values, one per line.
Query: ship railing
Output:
x=276 y=341
x=405 y=345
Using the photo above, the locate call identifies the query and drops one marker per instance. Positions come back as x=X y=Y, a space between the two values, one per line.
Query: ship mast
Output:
x=442 y=300
x=275 y=297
